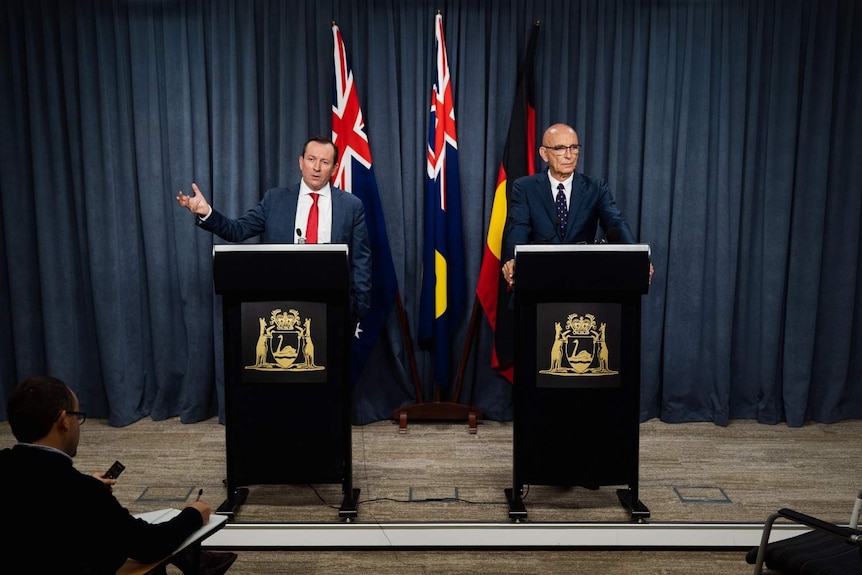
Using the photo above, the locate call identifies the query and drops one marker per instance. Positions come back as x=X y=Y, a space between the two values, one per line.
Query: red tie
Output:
x=311 y=226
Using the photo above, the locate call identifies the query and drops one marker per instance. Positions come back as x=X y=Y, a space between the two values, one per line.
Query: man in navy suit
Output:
x=64 y=521
x=282 y=217
x=560 y=206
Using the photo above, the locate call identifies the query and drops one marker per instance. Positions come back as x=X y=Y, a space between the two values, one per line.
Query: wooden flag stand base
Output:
x=437 y=411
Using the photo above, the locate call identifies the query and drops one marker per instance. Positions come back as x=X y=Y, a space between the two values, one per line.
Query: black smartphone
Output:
x=114 y=470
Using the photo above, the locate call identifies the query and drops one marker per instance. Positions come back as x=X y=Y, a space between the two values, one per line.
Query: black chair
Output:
x=827 y=549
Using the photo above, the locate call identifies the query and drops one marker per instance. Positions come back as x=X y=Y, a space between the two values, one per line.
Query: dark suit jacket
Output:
x=532 y=214
x=274 y=218
x=62 y=521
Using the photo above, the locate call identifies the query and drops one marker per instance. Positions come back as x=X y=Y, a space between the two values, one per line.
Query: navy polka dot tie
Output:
x=562 y=210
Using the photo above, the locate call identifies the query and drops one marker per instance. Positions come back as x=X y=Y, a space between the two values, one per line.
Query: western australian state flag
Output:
x=443 y=292
x=356 y=175
x=519 y=159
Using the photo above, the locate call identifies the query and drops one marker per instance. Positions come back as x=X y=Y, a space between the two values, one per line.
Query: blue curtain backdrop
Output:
x=730 y=132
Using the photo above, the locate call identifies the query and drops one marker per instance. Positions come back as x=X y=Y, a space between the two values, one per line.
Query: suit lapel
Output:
x=576 y=201
x=290 y=209
x=337 y=216
x=546 y=199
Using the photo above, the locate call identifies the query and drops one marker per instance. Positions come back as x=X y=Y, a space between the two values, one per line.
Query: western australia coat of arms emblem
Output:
x=285 y=343
x=580 y=348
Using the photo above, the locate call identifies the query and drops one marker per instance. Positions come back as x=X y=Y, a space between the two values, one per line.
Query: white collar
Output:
x=305 y=190
x=567 y=184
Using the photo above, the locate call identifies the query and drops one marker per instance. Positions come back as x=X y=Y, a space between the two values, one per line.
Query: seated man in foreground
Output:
x=61 y=520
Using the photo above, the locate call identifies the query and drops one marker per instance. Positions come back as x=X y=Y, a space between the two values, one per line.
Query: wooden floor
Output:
x=689 y=473
x=572 y=562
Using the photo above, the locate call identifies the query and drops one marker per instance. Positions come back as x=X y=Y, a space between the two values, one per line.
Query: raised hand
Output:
x=196 y=203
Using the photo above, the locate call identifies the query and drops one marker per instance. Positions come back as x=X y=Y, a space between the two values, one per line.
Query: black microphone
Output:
x=299 y=238
x=613 y=235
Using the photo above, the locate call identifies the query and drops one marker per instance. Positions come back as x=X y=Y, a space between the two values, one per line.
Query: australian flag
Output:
x=443 y=292
x=356 y=175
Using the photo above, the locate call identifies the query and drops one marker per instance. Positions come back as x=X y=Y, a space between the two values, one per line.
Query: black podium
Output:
x=577 y=369
x=286 y=317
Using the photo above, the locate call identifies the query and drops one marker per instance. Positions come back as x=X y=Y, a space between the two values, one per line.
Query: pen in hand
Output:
x=200 y=492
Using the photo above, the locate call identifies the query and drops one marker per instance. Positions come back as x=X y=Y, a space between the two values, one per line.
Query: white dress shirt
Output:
x=567 y=188
x=324 y=211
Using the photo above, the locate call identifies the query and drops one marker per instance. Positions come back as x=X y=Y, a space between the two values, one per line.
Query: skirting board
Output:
x=492 y=535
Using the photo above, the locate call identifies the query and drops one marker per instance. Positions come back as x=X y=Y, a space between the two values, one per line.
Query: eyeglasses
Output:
x=82 y=417
x=561 y=150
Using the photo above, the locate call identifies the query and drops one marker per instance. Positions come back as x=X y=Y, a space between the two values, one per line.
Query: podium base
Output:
x=638 y=510
x=517 y=511
x=234 y=499
x=437 y=411
x=348 y=511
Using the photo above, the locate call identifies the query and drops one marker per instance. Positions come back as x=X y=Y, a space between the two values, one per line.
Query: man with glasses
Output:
x=61 y=520
x=560 y=206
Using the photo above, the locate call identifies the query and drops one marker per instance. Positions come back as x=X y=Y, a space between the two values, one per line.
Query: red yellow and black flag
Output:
x=519 y=159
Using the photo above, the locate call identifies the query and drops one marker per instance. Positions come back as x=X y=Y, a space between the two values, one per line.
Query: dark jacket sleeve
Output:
x=250 y=224
x=108 y=534
x=610 y=215
x=518 y=225
x=151 y=542
x=360 y=263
